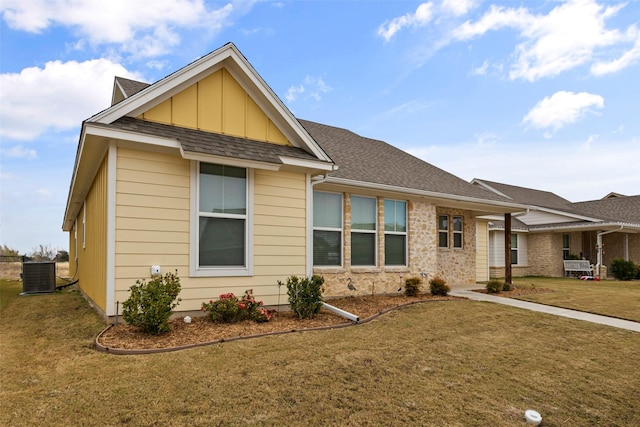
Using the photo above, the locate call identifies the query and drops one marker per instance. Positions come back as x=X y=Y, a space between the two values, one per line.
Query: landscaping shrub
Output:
x=229 y=309
x=623 y=270
x=305 y=295
x=495 y=286
x=151 y=303
x=438 y=286
x=507 y=287
x=412 y=286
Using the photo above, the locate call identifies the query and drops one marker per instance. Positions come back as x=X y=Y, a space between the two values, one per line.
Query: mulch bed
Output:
x=202 y=330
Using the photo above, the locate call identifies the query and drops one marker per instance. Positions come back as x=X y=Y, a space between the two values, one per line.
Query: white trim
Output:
x=306 y=163
x=111 y=228
x=309 y=225
x=194 y=269
x=397 y=233
x=228 y=161
x=126 y=135
x=84 y=224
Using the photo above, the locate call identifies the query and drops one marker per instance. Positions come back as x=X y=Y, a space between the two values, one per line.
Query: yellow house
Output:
x=208 y=173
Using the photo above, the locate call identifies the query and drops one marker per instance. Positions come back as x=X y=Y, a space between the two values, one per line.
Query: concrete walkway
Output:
x=564 y=312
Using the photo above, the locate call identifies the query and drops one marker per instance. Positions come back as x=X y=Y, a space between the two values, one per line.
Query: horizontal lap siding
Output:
x=152 y=228
x=152 y=216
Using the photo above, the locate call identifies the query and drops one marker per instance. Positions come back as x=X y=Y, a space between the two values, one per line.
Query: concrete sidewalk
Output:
x=572 y=314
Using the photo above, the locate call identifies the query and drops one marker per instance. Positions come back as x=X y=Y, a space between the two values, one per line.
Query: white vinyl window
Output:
x=395 y=232
x=514 y=249
x=443 y=231
x=457 y=232
x=222 y=221
x=363 y=231
x=327 y=229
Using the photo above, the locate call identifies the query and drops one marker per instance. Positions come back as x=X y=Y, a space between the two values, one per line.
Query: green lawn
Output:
x=607 y=297
x=459 y=363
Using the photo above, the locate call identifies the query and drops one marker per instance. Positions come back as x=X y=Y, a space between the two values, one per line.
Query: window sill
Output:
x=220 y=272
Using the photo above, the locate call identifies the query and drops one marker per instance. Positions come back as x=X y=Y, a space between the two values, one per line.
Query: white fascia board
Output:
x=608 y=225
x=308 y=164
x=212 y=158
x=126 y=135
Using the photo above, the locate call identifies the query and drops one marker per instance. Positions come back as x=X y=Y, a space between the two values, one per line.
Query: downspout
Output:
x=341 y=312
x=599 y=247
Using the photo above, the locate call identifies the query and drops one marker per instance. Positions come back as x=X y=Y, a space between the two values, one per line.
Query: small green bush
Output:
x=507 y=287
x=412 y=286
x=229 y=309
x=305 y=295
x=151 y=303
x=495 y=286
x=623 y=270
x=438 y=286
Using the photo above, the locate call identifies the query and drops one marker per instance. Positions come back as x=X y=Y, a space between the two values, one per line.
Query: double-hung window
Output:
x=327 y=229
x=443 y=231
x=514 y=249
x=363 y=231
x=457 y=232
x=566 y=247
x=222 y=217
x=395 y=232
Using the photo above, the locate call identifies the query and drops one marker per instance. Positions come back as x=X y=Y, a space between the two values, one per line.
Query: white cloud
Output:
x=457 y=7
x=562 y=108
x=314 y=87
x=481 y=70
x=19 y=152
x=421 y=17
x=137 y=27
x=58 y=96
x=563 y=39
x=628 y=58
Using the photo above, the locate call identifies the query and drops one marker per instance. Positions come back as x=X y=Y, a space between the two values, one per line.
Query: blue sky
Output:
x=541 y=94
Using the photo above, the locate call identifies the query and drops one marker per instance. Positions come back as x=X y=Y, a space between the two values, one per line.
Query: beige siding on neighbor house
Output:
x=482 y=250
x=217 y=103
x=92 y=257
x=152 y=228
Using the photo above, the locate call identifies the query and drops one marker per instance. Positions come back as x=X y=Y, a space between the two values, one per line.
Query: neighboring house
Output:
x=207 y=172
x=554 y=229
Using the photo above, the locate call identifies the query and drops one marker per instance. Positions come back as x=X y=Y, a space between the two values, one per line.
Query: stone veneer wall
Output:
x=458 y=266
x=545 y=254
x=455 y=266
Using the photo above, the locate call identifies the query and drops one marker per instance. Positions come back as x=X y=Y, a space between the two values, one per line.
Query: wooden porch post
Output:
x=507 y=249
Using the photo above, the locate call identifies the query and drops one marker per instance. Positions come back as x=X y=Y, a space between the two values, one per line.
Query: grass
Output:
x=608 y=297
x=459 y=363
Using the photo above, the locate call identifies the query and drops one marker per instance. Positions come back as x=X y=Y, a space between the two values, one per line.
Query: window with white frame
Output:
x=327 y=229
x=363 y=231
x=566 y=247
x=443 y=231
x=457 y=232
x=514 y=249
x=222 y=216
x=395 y=232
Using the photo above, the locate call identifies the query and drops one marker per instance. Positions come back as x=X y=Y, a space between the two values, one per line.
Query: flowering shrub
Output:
x=150 y=304
x=229 y=309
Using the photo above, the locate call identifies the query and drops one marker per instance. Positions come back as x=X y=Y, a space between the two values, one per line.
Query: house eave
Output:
x=480 y=206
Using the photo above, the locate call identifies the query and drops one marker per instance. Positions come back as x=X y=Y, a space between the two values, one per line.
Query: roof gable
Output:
x=229 y=58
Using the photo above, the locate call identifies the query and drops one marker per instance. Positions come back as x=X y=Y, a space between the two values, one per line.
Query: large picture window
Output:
x=327 y=229
x=222 y=216
x=363 y=231
x=395 y=232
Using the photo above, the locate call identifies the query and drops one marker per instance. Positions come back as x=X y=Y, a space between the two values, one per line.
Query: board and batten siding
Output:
x=152 y=228
x=92 y=256
x=482 y=250
x=217 y=103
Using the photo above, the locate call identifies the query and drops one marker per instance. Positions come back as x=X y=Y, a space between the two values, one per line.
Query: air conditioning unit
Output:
x=38 y=277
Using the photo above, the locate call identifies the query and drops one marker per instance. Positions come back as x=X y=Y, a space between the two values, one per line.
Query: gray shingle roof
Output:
x=197 y=141
x=131 y=87
x=623 y=208
x=374 y=161
x=544 y=199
